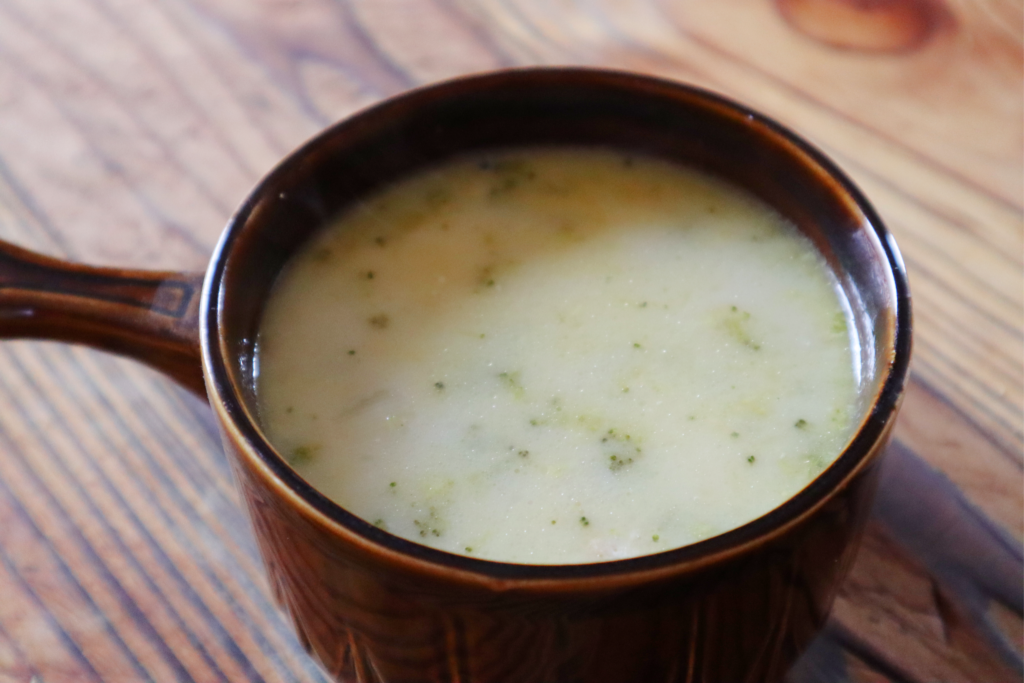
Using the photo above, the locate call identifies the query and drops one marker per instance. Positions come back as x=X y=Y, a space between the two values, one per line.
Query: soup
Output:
x=558 y=356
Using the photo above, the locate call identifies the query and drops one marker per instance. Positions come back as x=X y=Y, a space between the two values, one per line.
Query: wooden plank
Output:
x=123 y=553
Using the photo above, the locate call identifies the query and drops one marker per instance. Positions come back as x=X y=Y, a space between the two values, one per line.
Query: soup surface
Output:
x=558 y=356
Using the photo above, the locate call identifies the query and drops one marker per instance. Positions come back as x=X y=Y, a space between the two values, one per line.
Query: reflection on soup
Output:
x=558 y=356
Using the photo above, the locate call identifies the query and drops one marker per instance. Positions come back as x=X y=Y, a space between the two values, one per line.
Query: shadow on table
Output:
x=972 y=565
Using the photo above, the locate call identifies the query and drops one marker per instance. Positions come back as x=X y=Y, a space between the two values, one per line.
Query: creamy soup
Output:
x=558 y=356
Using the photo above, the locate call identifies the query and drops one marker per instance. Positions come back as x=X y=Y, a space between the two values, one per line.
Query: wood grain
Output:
x=130 y=129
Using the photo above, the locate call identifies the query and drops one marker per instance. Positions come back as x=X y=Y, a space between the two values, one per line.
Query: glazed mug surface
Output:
x=373 y=607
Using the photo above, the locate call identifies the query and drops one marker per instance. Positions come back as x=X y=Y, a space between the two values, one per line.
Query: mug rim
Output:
x=859 y=452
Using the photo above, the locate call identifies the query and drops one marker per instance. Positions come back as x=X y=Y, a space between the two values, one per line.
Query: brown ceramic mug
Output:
x=376 y=608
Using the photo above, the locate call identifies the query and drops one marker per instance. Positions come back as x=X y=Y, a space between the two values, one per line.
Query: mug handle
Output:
x=151 y=316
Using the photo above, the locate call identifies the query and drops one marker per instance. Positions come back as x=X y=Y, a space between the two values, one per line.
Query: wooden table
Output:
x=129 y=129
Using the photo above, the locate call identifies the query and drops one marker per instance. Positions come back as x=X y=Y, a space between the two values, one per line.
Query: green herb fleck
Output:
x=303 y=454
x=351 y=352
x=584 y=521
x=643 y=304
x=485 y=277
x=552 y=521
x=736 y=324
x=524 y=453
x=380 y=524
x=618 y=463
x=751 y=459
x=655 y=537
x=735 y=435
x=426 y=529
x=469 y=548
x=510 y=174
x=380 y=321
x=512 y=383
x=369 y=275
x=439 y=386
x=839 y=323
x=800 y=424
x=393 y=484
x=636 y=345
x=433 y=526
